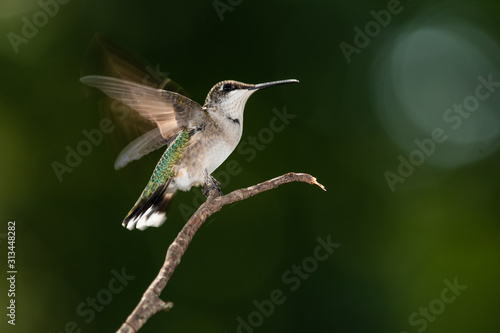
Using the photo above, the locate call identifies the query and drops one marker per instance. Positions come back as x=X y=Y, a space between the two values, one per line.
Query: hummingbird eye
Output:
x=227 y=87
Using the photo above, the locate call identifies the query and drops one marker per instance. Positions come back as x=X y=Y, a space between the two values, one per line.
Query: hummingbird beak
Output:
x=272 y=84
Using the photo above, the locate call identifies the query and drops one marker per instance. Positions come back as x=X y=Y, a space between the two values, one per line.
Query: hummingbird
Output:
x=198 y=138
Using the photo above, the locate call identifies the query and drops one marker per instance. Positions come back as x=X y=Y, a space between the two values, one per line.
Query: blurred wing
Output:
x=169 y=110
x=104 y=57
x=141 y=146
x=147 y=107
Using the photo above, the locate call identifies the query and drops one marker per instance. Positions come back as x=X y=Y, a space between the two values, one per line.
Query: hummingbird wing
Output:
x=104 y=57
x=141 y=146
x=170 y=111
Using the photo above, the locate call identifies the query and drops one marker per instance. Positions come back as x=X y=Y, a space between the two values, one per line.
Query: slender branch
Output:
x=150 y=303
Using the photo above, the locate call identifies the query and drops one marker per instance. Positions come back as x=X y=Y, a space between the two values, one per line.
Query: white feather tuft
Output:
x=148 y=219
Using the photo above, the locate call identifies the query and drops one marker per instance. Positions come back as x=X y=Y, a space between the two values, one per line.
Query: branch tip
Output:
x=315 y=182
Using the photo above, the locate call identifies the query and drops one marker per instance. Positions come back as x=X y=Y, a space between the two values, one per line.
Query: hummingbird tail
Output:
x=150 y=212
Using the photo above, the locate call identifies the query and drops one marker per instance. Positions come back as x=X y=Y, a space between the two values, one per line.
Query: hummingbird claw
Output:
x=212 y=183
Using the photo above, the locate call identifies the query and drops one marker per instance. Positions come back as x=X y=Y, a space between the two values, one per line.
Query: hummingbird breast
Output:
x=207 y=150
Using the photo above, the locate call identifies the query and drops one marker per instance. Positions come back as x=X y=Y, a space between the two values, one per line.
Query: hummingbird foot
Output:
x=211 y=183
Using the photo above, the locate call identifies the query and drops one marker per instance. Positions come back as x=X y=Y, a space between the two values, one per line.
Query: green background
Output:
x=397 y=247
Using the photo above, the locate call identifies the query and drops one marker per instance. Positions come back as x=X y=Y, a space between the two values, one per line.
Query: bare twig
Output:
x=150 y=302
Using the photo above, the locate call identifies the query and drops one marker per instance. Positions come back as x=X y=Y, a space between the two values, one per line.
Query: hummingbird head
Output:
x=228 y=98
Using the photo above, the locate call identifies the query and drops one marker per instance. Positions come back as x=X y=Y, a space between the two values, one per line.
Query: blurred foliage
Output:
x=397 y=247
